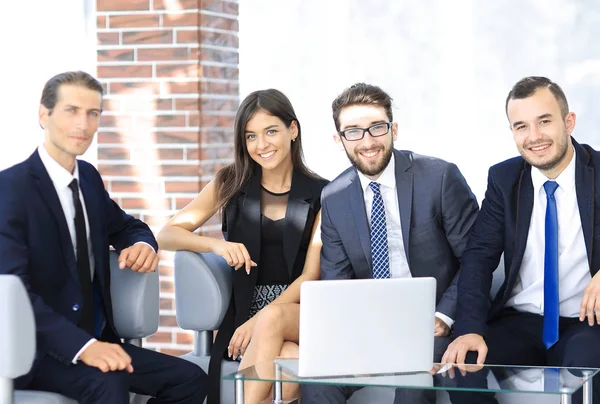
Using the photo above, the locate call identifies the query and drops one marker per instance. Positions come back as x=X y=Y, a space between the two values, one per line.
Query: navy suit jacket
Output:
x=437 y=211
x=35 y=245
x=503 y=227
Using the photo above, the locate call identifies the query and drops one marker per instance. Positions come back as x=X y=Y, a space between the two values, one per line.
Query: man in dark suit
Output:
x=56 y=226
x=542 y=211
x=393 y=214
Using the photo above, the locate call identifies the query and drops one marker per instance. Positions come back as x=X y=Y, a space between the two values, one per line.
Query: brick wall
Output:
x=170 y=74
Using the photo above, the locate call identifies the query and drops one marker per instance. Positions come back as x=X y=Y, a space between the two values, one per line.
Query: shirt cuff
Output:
x=76 y=358
x=449 y=322
x=143 y=242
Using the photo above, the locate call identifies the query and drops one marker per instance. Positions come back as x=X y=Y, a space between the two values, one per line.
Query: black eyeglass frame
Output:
x=388 y=124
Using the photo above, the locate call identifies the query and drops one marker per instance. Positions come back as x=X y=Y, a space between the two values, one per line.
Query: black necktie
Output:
x=86 y=321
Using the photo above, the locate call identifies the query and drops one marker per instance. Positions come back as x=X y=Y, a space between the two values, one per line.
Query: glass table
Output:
x=563 y=382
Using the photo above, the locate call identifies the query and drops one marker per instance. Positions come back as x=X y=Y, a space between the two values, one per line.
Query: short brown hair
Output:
x=361 y=94
x=527 y=86
x=50 y=91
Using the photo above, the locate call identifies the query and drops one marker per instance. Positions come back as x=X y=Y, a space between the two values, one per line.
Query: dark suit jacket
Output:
x=241 y=224
x=35 y=245
x=437 y=210
x=503 y=226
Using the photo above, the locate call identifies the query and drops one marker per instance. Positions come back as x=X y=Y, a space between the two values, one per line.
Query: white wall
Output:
x=447 y=64
x=39 y=39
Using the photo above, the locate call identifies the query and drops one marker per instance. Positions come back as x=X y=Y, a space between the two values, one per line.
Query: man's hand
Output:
x=106 y=357
x=441 y=328
x=241 y=338
x=457 y=350
x=590 y=304
x=140 y=257
x=235 y=254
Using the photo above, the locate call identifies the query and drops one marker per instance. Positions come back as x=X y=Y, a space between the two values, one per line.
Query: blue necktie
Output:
x=379 y=246
x=551 y=301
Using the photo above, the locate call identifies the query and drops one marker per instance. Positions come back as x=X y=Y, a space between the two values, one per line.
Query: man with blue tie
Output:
x=56 y=225
x=393 y=214
x=542 y=210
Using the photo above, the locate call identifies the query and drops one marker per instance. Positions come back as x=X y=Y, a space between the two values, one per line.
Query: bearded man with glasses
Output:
x=394 y=214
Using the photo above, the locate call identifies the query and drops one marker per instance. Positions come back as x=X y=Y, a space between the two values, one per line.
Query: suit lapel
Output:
x=49 y=195
x=295 y=218
x=585 y=188
x=357 y=206
x=523 y=221
x=249 y=216
x=404 y=189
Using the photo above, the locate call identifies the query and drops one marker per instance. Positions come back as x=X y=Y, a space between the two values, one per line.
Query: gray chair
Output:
x=202 y=293
x=135 y=298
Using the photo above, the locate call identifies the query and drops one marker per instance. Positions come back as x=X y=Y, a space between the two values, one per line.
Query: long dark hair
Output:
x=231 y=179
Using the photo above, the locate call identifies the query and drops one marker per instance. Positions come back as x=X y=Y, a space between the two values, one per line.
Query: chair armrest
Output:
x=17 y=330
x=135 y=300
x=203 y=284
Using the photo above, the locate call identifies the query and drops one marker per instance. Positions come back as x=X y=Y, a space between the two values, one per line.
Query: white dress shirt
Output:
x=573 y=269
x=398 y=263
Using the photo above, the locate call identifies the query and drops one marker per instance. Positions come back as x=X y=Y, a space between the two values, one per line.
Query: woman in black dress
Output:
x=270 y=206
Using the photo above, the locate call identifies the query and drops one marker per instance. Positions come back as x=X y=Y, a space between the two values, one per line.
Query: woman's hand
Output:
x=235 y=254
x=241 y=338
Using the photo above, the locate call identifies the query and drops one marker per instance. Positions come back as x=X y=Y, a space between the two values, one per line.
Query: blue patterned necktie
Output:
x=379 y=246
x=551 y=301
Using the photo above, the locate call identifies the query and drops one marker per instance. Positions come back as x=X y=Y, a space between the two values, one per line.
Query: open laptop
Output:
x=365 y=326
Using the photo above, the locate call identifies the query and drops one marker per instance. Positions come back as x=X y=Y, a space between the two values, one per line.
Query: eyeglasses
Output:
x=376 y=130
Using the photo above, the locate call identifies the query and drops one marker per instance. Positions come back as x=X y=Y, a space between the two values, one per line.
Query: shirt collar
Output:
x=566 y=179
x=386 y=179
x=60 y=176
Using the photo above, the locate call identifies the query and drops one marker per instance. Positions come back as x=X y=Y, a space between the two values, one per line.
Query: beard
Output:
x=561 y=151
x=367 y=169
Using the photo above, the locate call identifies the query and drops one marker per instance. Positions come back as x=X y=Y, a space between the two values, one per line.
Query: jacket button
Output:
x=75 y=307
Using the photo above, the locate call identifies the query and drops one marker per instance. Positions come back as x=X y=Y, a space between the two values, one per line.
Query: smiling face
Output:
x=370 y=155
x=269 y=141
x=541 y=134
x=70 y=126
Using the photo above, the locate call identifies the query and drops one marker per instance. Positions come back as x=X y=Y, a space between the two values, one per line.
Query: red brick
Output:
x=211 y=87
x=212 y=135
x=166 y=303
x=218 y=55
x=164 y=104
x=120 y=5
x=137 y=88
x=220 y=6
x=158 y=54
x=217 y=120
x=210 y=153
x=174 y=352
x=114 y=121
x=187 y=36
x=217 y=105
x=144 y=104
x=165 y=270
x=193 y=119
x=177 y=137
x=107 y=38
x=220 y=72
x=179 y=170
x=181 y=203
x=185 y=339
x=182 y=87
x=187 y=104
x=219 y=39
x=134 y=21
x=170 y=154
x=115 y=55
x=230 y=7
x=183 y=5
x=118 y=170
x=124 y=71
x=111 y=105
x=226 y=24
x=148 y=37
x=100 y=21
x=188 y=186
x=111 y=137
x=143 y=203
x=167 y=321
x=167 y=286
x=181 y=20
x=160 y=337
x=178 y=70
x=113 y=153
x=169 y=120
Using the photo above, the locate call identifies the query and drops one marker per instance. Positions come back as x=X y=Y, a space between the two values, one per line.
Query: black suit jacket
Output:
x=503 y=226
x=437 y=211
x=35 y=245
x=241 y=224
